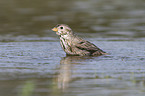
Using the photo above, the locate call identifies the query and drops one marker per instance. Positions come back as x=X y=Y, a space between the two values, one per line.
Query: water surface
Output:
x=32 y=62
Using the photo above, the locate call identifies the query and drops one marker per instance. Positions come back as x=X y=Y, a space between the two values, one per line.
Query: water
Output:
x=32 y=62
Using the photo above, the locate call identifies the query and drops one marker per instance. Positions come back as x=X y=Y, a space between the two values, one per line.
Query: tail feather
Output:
x=97 y=53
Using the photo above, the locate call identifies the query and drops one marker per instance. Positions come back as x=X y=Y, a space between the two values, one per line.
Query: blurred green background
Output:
x=107 y=17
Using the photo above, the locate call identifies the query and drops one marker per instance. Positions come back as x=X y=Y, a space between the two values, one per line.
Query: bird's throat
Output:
x=65 y=36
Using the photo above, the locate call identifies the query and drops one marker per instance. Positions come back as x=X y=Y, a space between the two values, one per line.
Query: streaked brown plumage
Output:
x=74 y=45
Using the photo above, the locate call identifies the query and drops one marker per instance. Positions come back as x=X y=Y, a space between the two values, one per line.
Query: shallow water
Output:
x=44 y=66
x=32 y=62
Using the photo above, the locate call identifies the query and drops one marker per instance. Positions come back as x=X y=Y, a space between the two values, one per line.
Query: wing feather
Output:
x=86 y=45
x=90 y=47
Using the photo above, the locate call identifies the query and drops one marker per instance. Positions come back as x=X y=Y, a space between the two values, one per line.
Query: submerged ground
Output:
x=32 y=62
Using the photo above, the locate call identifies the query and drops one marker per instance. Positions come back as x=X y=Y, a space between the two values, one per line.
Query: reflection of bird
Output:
x=66 y=70
x=74 y=45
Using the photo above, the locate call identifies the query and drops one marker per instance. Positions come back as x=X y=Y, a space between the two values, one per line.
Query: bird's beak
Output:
x=55 y=29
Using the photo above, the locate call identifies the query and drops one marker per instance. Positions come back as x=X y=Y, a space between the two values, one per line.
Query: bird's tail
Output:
x=100 y=52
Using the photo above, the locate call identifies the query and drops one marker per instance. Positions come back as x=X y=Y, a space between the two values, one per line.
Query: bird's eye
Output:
x=61 y=27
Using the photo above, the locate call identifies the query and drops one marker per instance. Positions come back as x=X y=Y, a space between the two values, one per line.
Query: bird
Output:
x=74 y=45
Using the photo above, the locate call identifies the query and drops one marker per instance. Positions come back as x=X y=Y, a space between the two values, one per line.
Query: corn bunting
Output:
x=74 y=45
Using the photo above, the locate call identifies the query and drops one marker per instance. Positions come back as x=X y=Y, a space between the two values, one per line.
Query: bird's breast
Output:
x=65 y=44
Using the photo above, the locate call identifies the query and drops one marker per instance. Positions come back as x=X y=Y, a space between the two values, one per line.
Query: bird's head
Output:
x=62 y=29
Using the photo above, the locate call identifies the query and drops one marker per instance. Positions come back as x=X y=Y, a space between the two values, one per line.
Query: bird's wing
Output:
x=86 y=45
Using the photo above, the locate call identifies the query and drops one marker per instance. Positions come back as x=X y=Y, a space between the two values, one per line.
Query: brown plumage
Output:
x=74 y=45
